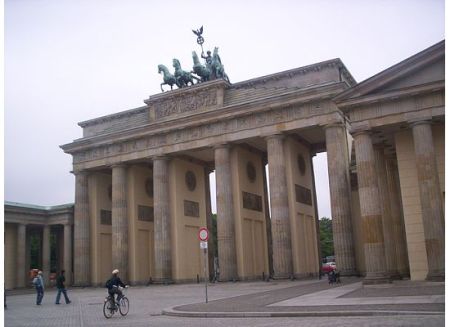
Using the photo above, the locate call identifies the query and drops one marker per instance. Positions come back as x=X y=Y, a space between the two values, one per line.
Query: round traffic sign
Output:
x=203 y=234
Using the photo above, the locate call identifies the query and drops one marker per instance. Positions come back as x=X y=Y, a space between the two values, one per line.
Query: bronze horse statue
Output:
x=218 y=70
x=200 y=70
x=168 y=78
x=183 y=78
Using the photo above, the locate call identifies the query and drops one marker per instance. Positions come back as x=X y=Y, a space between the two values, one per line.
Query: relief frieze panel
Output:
x=191 y=102
x=251 y=121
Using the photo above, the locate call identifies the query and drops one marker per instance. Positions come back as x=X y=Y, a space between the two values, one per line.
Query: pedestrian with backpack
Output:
x=61 y=288
x=38 y=283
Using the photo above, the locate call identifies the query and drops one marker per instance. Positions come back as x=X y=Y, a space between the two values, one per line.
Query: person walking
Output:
x=38 y=282
x=61 y=288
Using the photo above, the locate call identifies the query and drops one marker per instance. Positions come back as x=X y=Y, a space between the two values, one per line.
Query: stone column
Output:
x=67 y=266
x=388 y=225
x=120 y=220
x=371 y=214
x=430 y=199
x=281 y=227
x=395 y=201
x=340 y=196
x=225 y=214
x=21 y=255
x=163 y=245
x=46 y=254
x=82 y=269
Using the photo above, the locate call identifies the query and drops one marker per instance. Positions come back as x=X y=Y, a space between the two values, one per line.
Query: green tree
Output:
x=326 y=237
x=214 y=234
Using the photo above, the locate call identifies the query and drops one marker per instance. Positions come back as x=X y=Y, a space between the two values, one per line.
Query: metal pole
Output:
x=206 y=279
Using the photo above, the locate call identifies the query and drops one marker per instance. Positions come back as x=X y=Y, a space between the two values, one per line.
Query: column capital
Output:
x=161 y=158
x=221 y=145
x=277 y=136
x=119 y=165
x=416 y=122
x=334 y=124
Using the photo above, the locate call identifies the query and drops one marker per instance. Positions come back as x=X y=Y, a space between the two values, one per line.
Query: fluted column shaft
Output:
x=163 y=249
x=21 y=250
x=281 y=227
x=68 y=253
x=82 y=269
x=401 y=253
x=340 y=196
x=388 y=226
x=371 y=212
x=46 y=254
x=430 y=199
x=225 y=214
x=120 y=220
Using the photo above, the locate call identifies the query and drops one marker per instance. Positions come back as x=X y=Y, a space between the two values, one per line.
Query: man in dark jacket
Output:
x=61 y=288
x=113 y=285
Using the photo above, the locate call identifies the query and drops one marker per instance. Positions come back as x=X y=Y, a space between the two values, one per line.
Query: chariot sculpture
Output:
x=212 y=68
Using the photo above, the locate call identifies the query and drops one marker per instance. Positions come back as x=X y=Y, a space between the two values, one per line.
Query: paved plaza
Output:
x=275 y=303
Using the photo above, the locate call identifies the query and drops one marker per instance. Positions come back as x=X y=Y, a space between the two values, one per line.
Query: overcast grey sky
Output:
x=70 y=61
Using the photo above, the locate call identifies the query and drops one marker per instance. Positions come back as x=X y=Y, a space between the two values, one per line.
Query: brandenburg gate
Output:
x=142 y=177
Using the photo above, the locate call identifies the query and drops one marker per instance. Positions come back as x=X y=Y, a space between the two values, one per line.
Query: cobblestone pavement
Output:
x=147 y=303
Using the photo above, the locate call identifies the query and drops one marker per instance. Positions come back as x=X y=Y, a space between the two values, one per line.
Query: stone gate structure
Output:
x=142 y=177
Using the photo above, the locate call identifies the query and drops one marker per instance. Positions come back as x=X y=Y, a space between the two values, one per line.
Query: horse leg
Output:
x=162 y=90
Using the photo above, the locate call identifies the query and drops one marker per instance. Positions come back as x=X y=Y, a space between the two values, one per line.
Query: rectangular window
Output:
x=145 y=213
x=191 y=209
x=252 y=201
x=105 y=217
x=303 y=195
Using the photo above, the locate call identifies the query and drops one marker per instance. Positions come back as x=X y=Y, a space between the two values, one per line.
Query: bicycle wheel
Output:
x=124 y=306
x=108 y=309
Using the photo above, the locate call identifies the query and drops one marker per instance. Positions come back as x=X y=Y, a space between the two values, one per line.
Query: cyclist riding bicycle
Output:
x=113 y=285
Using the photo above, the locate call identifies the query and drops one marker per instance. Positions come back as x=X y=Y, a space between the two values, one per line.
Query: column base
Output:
x=348 y=273
x=394 y=275
x=229 y=279
x=162 y=281
x=436 y=277
x=284 y=276
x=376 y=280
x=81 y=284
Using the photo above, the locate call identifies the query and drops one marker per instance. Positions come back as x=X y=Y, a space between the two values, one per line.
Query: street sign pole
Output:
x=205 y=251
x=203 y=235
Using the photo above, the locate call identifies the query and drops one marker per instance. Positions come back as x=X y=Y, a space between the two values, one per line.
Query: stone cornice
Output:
x=204 y=118
x=350 y=104
x=395 y=72
x=298 y=71
x=111 y=117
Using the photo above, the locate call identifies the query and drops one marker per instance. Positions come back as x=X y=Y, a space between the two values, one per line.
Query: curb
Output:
x=279 y=314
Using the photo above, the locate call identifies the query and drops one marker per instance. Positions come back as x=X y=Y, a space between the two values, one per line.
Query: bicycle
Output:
x=110 y=307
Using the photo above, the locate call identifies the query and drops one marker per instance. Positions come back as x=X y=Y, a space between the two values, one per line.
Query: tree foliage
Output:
x=326 y=237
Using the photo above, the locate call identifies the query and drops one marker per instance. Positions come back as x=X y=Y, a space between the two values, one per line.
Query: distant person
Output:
x=113 y=285
x=61 y=288
x=38 y=283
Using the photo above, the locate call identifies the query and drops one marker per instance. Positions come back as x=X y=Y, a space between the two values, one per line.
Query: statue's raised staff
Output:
x=183 y=78
x=168 y=78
